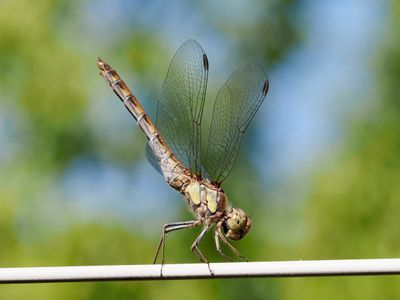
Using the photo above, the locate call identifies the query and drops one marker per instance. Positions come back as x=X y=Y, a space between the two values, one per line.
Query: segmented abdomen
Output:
x=175 y=173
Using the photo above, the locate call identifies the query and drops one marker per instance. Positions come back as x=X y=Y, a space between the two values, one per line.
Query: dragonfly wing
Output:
x=152 y=159
x=234 y=108
x=180 y=108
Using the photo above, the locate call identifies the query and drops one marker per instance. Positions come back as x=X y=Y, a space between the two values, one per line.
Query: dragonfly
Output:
x=174 y=143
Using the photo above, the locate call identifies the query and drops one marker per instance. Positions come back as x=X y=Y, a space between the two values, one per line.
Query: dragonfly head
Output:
x=236 y=224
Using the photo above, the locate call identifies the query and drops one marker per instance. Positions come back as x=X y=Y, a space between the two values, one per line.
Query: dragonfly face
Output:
x=236 y=224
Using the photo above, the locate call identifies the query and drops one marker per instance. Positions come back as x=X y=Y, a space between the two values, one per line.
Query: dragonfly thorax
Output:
x=211 y=206
x=206 y=200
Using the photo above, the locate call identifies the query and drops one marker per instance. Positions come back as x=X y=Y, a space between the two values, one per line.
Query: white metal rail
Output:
x=346 y=267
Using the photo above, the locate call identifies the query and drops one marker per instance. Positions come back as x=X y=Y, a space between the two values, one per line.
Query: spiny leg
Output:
x=168 y=228
x=218 y=232
x=218 y=246
x=196 y=250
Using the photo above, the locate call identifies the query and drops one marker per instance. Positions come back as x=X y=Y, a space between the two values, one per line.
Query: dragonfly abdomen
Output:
x=125 y=95
x=175 y=173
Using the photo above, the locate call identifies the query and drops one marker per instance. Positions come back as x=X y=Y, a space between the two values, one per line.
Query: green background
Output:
x=74 y=185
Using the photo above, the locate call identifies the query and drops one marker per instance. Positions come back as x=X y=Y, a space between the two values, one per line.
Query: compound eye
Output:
x=235 y=223
x=237 y=219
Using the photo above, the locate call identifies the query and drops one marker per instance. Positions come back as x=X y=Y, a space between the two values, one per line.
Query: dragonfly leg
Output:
x=218 y=246
x=219 y=235
x=195 y=245
x=196 y=250
x=168 y=228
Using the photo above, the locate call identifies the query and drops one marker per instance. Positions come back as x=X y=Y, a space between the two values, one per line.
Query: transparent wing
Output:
x=180 y=108
x=234 y=108
x=152 y=159
x=155 y=164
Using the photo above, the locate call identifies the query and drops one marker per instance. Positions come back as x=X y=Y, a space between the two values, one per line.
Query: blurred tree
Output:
x=354 y=209
x=256 y=33
x=36 y=67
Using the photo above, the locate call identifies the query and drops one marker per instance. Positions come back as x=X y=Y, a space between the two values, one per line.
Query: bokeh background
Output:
x=319 y=170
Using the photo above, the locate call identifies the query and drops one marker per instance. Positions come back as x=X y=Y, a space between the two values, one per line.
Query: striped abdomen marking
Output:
x=125 y=95
x=173 y=170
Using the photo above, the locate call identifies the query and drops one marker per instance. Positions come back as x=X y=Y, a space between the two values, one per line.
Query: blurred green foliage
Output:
x=47 y=74
x=353 y=211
